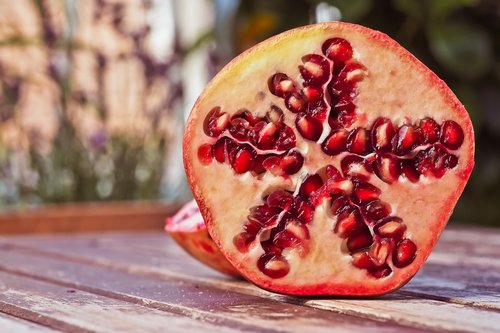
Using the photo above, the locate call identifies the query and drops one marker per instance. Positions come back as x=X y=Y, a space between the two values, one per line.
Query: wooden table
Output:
x=141 y=281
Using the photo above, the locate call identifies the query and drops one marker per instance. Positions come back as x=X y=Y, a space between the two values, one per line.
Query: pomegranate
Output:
x=327 y=161
x=188 y=229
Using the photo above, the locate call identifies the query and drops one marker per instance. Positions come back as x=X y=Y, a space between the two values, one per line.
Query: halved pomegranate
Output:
x=342 y=172
x=188 y=229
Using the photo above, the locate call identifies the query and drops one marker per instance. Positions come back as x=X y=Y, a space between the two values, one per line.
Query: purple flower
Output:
x=99 y=139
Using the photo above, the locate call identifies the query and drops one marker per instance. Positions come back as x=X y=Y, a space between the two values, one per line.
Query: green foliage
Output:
x=463 y=49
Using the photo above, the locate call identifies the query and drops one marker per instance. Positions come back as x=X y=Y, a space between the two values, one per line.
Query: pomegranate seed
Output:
x=297 y=229
x=434 y=161
x=362 y=260
x=429 y=130
x=341 y=90
x=273 y=265
x=348 y=76
x=450 y=161
x=258 y=168
x=405 y=140
x=224 y=149
x=272 y=164
x=358 y=141
x=281 y=199
x=356 y=166
x=344 y=106
x=313 y=95
x=240 y=129
x=339 y=204
x=337 y=49
x=215 y=122
x=335 y=143
x=310 y=184
x=274 y=115
x=309 y=127
x=292 y=162
x=265 y=135
x=205 y=154
x=333 y=173
x=349 y=222
x=264 y=215
x=330 y=188
x=243 y=160
x=295 y=102
x=302 y=210
x=315 y=70
x=219 y=150
x=281 y=85
x=408 y=170
x=286 y=165
x=271 y=248
x=352 y=72
x=286 y=139
x=452 y=135
x=283 y=239
x=253 y=227
x=380 y=272
x=294 y=233
x=343 y=115
x=364 y=193
x=376 y=210
x=247 y=115
x=380 y=250
x=243 y=241
x=382 y=133
x=346 y=119
x=387 y=168
x=392 y=227
x=360 y=241
x=318 y=110
x=404 y=254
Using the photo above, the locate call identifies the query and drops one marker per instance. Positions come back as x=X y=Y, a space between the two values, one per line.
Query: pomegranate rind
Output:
x=188 y=229
x=397 y=85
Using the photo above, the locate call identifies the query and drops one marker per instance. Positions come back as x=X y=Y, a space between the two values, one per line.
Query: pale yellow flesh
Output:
x=394 y=87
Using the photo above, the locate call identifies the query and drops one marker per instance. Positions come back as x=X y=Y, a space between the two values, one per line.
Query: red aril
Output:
x=347 y=174
x=188 y=229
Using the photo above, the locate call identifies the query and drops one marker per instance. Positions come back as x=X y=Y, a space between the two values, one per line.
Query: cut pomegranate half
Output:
x=344 y=170
x=188 y=229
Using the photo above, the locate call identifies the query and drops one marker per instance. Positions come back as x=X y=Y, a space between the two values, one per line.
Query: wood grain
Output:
x=87 y=217
x=71 y=310
x=444 y=297
x=16 y=325
x=195 y=300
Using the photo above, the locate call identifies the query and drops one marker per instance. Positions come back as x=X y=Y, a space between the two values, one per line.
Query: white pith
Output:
x=393 y=87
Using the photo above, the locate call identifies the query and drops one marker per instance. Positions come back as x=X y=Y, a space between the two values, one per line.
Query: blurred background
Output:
x=94 y=93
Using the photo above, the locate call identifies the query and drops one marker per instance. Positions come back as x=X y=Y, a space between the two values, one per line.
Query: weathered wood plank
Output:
x=200 y=301
x=16 y=325
x=72 y=310
x=137 y=261
x=156 y=249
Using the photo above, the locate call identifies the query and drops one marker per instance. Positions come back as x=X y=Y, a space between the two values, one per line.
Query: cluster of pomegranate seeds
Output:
x=249 y=143
x=325 y=112
x=279 y=223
